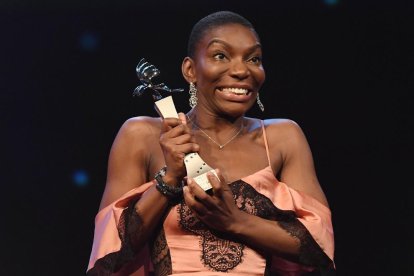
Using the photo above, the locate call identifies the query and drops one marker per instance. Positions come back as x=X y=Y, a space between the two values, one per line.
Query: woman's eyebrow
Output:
x=219 y=41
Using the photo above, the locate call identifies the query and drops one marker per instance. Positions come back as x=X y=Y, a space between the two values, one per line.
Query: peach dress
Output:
x=195 y=250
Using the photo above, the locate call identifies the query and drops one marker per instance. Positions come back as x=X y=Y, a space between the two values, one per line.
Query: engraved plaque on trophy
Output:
x=164 y=105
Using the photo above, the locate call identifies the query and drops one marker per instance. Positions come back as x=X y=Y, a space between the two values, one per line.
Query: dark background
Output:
x=342 y=69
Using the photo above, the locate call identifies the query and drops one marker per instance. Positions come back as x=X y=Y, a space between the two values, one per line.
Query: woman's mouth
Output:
x=233 y=90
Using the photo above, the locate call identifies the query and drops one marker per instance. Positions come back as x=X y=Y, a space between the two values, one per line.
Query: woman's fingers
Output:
x=169 y=123
x=217 y=211
x=196 y=203
x=200 y=195
x=179 y=124
x=176 y=140
x=184 y=143
x=217 y=182
x=182 y=118
x=182 y=139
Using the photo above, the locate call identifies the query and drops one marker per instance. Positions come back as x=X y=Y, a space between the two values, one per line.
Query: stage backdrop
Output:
x=343 y=70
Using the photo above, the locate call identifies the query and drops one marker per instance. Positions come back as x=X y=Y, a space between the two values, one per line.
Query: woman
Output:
x=266 y=214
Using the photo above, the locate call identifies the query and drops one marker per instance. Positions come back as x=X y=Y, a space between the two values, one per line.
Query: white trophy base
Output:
x=195 y=166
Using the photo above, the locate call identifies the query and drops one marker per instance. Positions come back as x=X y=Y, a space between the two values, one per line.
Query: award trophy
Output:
x=164 y=105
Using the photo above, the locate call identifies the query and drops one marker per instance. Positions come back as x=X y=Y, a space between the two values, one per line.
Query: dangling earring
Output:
x=193 y=95
x=259 y=102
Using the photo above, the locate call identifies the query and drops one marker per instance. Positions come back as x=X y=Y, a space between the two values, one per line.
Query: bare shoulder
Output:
x=136 y=136
x=129 y=156
x=280 y=122
x=286 y=138
x=137 y=130
x=283 y=129
x=141 y=126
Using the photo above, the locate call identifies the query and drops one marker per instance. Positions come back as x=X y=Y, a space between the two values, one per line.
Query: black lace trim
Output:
x=160 y=255
x=129 y=228
x=309 y=252
x=222 y=254
x=219 y=254
x=130 y=224
x=247 y=198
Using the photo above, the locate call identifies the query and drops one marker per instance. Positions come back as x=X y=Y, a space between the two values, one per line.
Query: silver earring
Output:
x=193 y=95
x=259 y=102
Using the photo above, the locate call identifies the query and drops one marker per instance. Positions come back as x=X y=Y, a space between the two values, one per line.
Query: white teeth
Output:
x=238 y=91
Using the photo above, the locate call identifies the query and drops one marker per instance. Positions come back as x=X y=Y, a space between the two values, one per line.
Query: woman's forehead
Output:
x=225 y=29
x=231 y=33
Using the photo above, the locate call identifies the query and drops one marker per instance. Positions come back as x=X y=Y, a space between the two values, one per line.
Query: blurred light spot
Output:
x=331 y=2
x=80 y=178
x=89 y=41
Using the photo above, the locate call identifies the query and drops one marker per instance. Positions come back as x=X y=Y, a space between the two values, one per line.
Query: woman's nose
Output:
x=239 y=69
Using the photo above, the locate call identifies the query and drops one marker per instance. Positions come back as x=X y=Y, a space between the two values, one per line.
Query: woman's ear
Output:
x=188 y=70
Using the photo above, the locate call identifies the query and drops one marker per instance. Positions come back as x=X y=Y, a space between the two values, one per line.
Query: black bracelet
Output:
x=174 y=194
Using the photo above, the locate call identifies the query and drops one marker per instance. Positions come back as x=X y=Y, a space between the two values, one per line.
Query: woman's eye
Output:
x=219 y=56
x=256 y=60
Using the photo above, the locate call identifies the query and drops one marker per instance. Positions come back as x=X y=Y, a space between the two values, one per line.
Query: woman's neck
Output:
x=214 y=123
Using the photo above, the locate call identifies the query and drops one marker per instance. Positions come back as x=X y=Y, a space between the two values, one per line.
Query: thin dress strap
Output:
x=265 y=141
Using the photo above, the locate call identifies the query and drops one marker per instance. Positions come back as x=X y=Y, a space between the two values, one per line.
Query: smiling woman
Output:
x=266 y=214
x=226 y=66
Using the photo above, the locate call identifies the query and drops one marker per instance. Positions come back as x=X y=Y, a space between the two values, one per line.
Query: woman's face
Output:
x=228 y=69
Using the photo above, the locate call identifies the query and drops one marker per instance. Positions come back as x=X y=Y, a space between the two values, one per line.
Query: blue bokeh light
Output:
x=89 y=41
x=331 y=2
x=80 y=178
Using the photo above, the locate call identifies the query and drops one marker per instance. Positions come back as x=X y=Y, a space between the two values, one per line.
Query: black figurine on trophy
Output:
x=195 y=166
x=146 y=72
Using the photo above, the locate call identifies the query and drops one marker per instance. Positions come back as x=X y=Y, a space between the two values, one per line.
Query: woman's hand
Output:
x=218 y=211
x=176 y=141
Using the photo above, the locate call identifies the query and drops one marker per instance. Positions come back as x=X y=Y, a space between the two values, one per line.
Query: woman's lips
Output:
x=235 y=94
x=234 y=90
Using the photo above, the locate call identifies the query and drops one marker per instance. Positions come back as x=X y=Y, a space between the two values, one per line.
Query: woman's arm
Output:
x=141 y=144
x=128 y=159
x=136 y=145
x=298 y=170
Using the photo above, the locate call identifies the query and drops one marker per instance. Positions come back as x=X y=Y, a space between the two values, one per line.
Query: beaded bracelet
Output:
x=174 y=194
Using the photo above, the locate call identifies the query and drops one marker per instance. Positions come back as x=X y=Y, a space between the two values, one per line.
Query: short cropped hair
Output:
x=211 y=21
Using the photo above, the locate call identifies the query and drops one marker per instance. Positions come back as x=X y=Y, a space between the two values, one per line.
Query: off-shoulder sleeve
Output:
x=111 y=250
x=303 y=217
x=311 y=224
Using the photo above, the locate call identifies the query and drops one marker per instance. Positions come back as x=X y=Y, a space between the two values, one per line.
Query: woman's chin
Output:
x=235 y=110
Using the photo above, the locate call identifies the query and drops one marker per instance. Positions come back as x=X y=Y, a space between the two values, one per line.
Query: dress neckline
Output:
x=266 y=170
